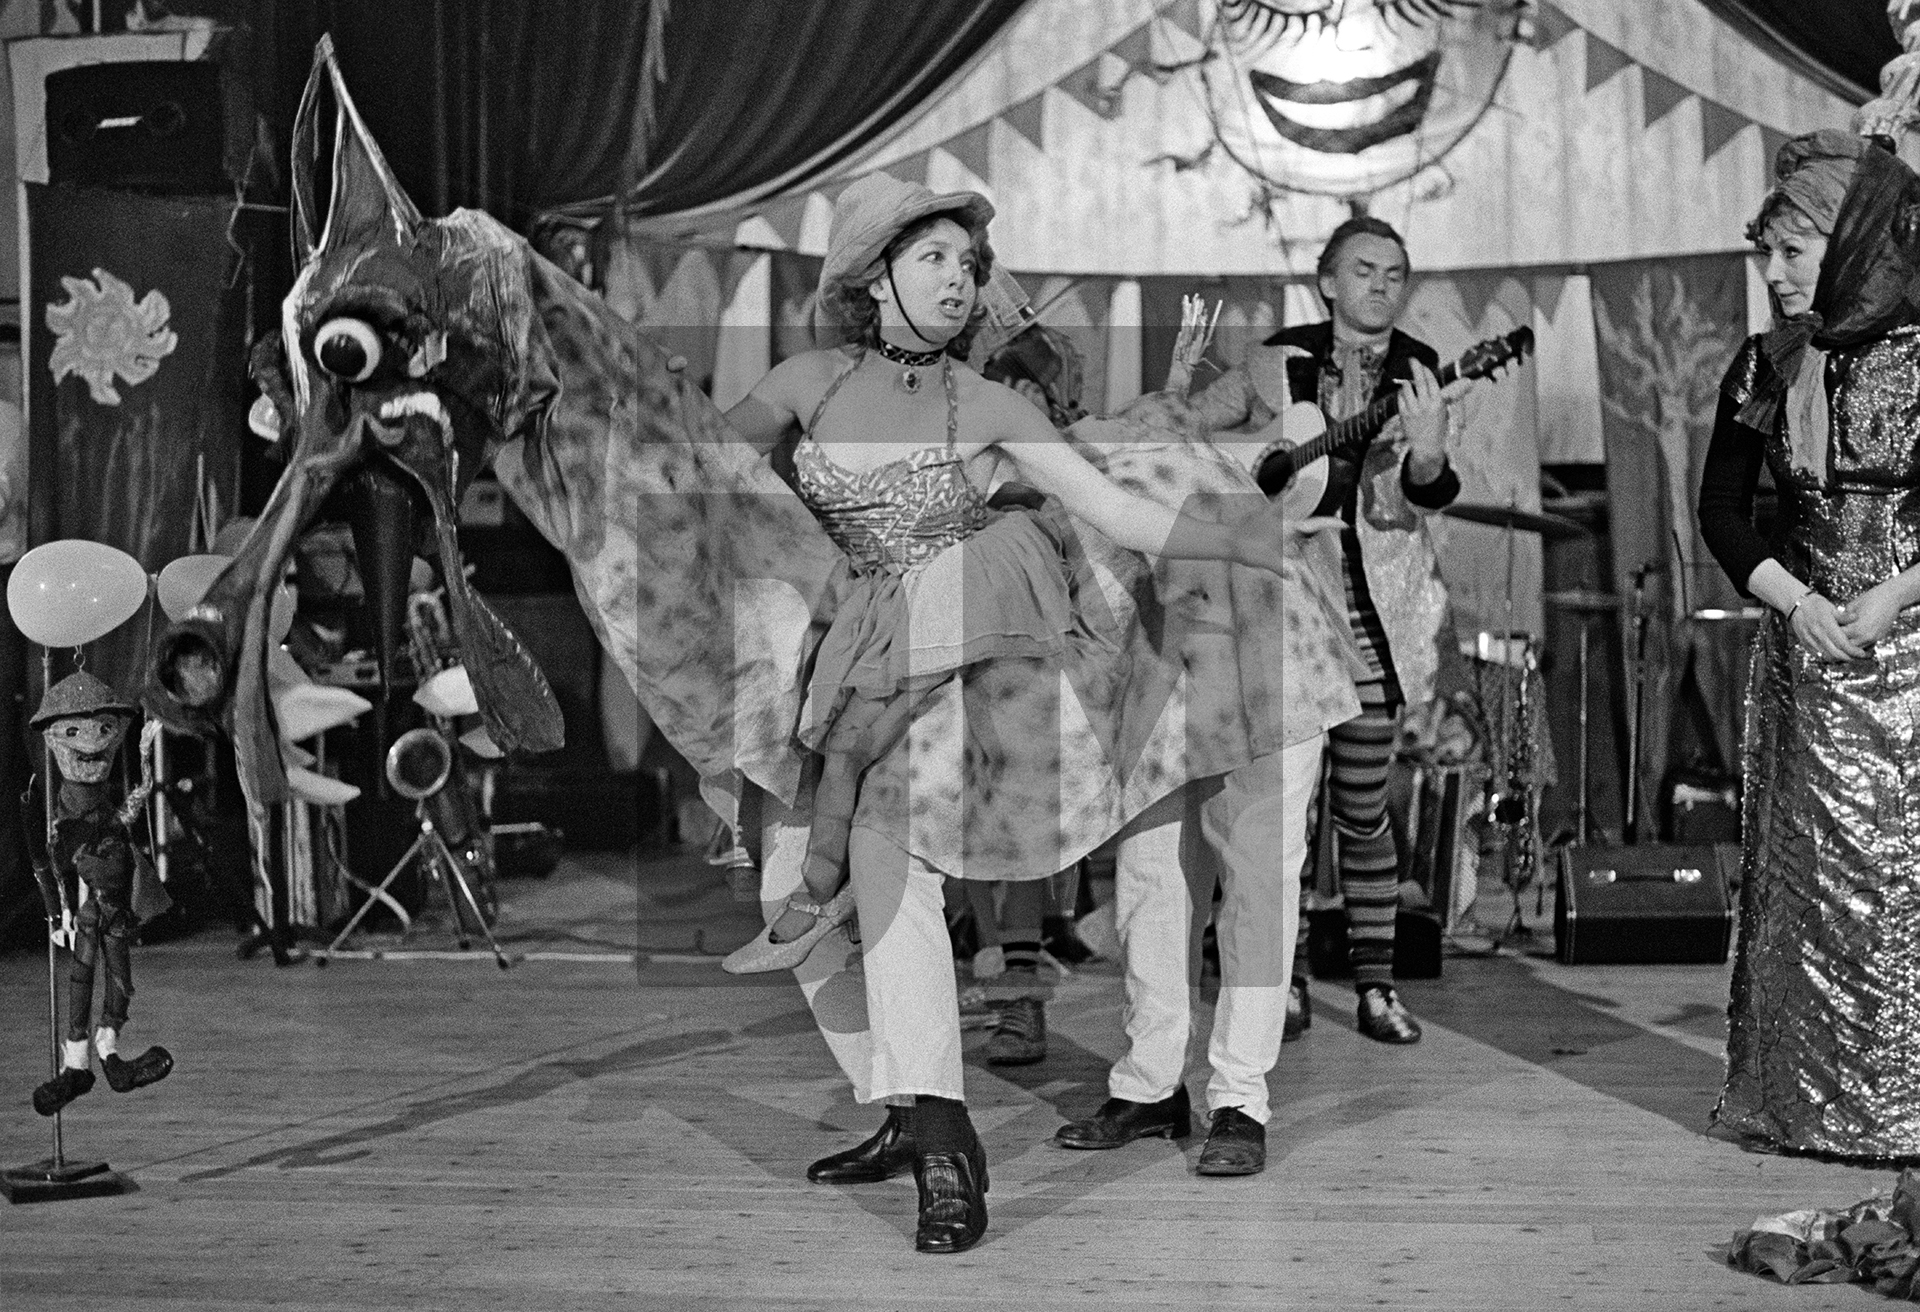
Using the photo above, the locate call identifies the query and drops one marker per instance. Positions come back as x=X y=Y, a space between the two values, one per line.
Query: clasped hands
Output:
x=1847 y=632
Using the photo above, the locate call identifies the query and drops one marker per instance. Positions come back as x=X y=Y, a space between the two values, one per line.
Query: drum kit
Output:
x=1514 y=805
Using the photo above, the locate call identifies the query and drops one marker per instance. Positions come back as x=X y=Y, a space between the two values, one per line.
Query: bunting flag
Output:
x=1660 y=95
x=1095 y=85
x=1604 y=61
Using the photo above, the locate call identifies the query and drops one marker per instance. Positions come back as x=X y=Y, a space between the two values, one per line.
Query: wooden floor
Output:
x=582 y=1133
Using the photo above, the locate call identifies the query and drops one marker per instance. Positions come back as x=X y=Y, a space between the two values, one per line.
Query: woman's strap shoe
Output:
x=1121 y=1122
x=763 y=954
x=953 y=1200
x=889 y=1152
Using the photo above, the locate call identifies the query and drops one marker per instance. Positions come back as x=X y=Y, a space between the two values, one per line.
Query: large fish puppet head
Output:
x=409 y=353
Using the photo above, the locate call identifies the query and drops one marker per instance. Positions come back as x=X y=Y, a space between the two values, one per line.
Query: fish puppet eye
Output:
x=347 y=348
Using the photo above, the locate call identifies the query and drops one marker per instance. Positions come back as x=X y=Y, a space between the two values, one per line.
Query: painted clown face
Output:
x=1344 y=97
x=83 y=746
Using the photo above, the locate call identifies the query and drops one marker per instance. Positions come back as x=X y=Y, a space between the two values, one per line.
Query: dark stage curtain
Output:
x=524 y=107
x=1839 y=43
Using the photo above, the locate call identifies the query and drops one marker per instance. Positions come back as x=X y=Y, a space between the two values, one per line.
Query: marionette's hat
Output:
x=79 y=693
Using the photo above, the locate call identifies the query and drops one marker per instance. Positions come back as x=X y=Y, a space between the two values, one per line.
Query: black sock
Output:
x=1023 y=955
x=941 y=1125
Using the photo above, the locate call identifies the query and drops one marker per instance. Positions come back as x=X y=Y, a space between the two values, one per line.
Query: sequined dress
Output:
x=1823 y=1050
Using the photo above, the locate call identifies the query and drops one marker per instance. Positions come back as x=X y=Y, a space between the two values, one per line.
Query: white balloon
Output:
x=69 y=592
x=183 y=582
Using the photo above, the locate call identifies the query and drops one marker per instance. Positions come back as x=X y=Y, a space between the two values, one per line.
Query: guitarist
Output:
x=1395 y=600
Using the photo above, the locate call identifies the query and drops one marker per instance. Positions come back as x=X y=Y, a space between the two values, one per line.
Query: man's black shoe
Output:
x=1236 y=1145
x=1383 y=1019
x=150 y=1067
x=1121 y=1122
x=887 y=1154
x=953 y=1200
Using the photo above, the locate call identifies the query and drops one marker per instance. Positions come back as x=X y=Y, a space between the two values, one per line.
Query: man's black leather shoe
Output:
x=953 y=1200
x=1121 y=1122
x=887 y=1154
x=150 y=1067
x=62 y=1089
x=1236 y=1145
x=1384 y=1020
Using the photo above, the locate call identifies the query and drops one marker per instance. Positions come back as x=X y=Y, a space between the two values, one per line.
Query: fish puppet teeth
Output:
x=421 y=403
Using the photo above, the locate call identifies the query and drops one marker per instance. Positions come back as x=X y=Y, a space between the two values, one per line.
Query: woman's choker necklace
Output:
x=912 y=363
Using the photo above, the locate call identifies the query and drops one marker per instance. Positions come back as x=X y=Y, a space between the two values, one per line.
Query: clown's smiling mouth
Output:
x=1368 y=110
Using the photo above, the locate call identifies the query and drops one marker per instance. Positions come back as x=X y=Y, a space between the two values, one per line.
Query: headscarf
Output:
x=1869 y=278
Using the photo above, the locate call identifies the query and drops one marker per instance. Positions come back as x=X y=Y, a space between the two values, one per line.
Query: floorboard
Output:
x=615 y=1123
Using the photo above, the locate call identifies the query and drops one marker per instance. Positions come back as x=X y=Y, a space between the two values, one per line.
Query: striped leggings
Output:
x=1369 y=861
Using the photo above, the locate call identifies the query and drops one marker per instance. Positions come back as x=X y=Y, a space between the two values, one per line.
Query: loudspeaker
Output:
x=1644 y=905
x=154 y=126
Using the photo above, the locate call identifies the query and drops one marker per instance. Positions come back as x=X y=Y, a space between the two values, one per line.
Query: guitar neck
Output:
x=1362 y=427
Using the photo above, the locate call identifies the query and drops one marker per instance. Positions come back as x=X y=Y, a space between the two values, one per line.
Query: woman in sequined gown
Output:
x=1823 y=1052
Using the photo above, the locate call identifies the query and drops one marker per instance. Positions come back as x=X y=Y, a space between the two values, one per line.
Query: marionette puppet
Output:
x=97 y=882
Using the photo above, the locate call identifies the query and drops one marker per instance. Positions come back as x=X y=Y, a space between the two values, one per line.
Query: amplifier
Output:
x=1649 y=904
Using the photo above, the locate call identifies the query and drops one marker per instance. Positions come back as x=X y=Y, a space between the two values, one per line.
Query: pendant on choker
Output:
x=911 y=362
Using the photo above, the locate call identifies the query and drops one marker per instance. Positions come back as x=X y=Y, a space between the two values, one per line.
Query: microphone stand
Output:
x=1631 y=830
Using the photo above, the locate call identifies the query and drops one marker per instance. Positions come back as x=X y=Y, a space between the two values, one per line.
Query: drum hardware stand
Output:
x=1637 y=723
x=418 y=766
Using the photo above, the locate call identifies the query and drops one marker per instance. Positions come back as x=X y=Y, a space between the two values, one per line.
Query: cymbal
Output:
x=1585 y=599
x=1551 y=526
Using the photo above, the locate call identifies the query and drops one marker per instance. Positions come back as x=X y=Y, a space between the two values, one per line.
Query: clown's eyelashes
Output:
x=349 y=349
x=1253 y=19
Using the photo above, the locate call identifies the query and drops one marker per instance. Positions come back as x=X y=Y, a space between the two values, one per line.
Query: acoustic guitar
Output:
x=1294 y=467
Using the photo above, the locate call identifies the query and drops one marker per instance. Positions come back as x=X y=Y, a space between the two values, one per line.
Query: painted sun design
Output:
x=101 y=331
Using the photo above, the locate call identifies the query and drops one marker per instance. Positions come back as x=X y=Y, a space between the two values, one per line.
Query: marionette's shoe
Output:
x=62 y=1089
x=1236 y=1145
x=1383 y=1018
x=887 y=1154
x=150 y=1067
x=764 y=954
x=953 y=1199
x=1121 y=1122
x=1299 y=1012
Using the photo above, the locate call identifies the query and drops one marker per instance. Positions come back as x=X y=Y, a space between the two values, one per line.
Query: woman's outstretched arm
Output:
x=1259 y=538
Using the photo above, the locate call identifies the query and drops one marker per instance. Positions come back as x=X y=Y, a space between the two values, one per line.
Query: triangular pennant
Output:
x=1659 y=95
x=1549 y=289
x=973 y=148
x=1770 y=143
x=785 y=216
x=1477 y=291
x=1550 y=26
x=1603 y=61
x=911 y=169
x=1084 y=85
x=1185 y=15
x=734 y=266
x=1136 y=47
x=1028 y=119
x=1718 y=126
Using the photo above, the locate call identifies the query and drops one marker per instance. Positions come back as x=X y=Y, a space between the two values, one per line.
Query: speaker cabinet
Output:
x=1644 y=905
x=151 y=126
